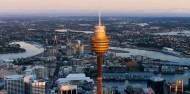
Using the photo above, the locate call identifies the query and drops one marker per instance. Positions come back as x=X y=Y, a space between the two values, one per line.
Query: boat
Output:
x=170 y=51
x=180 y=33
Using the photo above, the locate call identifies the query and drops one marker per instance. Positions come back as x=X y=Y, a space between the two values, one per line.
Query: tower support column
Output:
x=99 y=73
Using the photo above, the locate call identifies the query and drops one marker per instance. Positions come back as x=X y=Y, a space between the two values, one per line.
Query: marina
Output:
x=131 y=76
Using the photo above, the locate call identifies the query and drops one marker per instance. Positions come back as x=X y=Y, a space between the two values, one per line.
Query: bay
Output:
x=31 y=50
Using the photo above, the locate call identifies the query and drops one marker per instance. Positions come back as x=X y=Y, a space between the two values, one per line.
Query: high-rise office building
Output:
x=179 y=85
x=27 y=80
x=41 y=72
x=80 y=48
x=174 y=88
x=134 y=89
x=157 y=84
x=189 y=84
x=99 y=45
x=169 y=88
x=67 y=89
x=14 y=84
x=37 y=87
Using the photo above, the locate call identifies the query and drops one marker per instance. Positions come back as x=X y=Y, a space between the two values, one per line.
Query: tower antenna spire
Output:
x=99 y=23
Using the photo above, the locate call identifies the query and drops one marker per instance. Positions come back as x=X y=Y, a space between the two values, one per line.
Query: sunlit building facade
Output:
x=37 y=87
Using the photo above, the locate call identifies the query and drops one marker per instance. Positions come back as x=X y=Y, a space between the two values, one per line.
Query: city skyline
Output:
x=44 y=52
x=90 y=7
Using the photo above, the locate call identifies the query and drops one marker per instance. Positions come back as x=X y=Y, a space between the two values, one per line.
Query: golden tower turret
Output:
x=99 y=41
x=99 y=45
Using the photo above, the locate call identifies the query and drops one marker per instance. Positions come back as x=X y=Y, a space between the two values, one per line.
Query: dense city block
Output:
x=52 y=55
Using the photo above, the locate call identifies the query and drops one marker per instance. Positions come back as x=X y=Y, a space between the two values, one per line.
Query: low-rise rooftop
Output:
x=156 y=79
x=75 y=77
x=14 y=77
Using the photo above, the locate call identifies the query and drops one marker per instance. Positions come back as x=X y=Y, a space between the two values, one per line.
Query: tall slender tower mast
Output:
x=55 y=44
x=99 y=45
x=55 y=40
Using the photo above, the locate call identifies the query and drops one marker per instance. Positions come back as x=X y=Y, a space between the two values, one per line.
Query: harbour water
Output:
x=182 y=33
x=31 y=50
x=156 y=55
x=152 y=54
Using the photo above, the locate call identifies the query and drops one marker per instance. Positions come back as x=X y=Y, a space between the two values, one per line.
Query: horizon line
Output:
x=105 y=14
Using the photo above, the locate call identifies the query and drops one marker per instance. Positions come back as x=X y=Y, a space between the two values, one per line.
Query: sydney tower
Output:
x=99 y=45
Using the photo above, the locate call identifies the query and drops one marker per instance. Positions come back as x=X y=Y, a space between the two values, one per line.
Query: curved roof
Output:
x=72 y=77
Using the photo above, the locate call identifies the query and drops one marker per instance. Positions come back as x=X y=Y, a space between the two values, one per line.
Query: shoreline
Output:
x=118 y=51
x=10 y=50
x=28 y=53
x=151 y=49
x=138 y=48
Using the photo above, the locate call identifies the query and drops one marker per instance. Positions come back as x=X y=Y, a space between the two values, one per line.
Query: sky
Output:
x=90 y=7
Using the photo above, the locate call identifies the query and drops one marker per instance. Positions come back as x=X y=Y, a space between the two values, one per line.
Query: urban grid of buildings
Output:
x=69 y=65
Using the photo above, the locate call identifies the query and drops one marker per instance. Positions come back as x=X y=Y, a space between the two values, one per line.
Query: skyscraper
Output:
x=157 y=84
x=14 y=84
x=38 y=87
x=99 y=45
x=189 y=84
x=40 y=71
x=67 y=89
x=174 y=88
x=179 y=84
